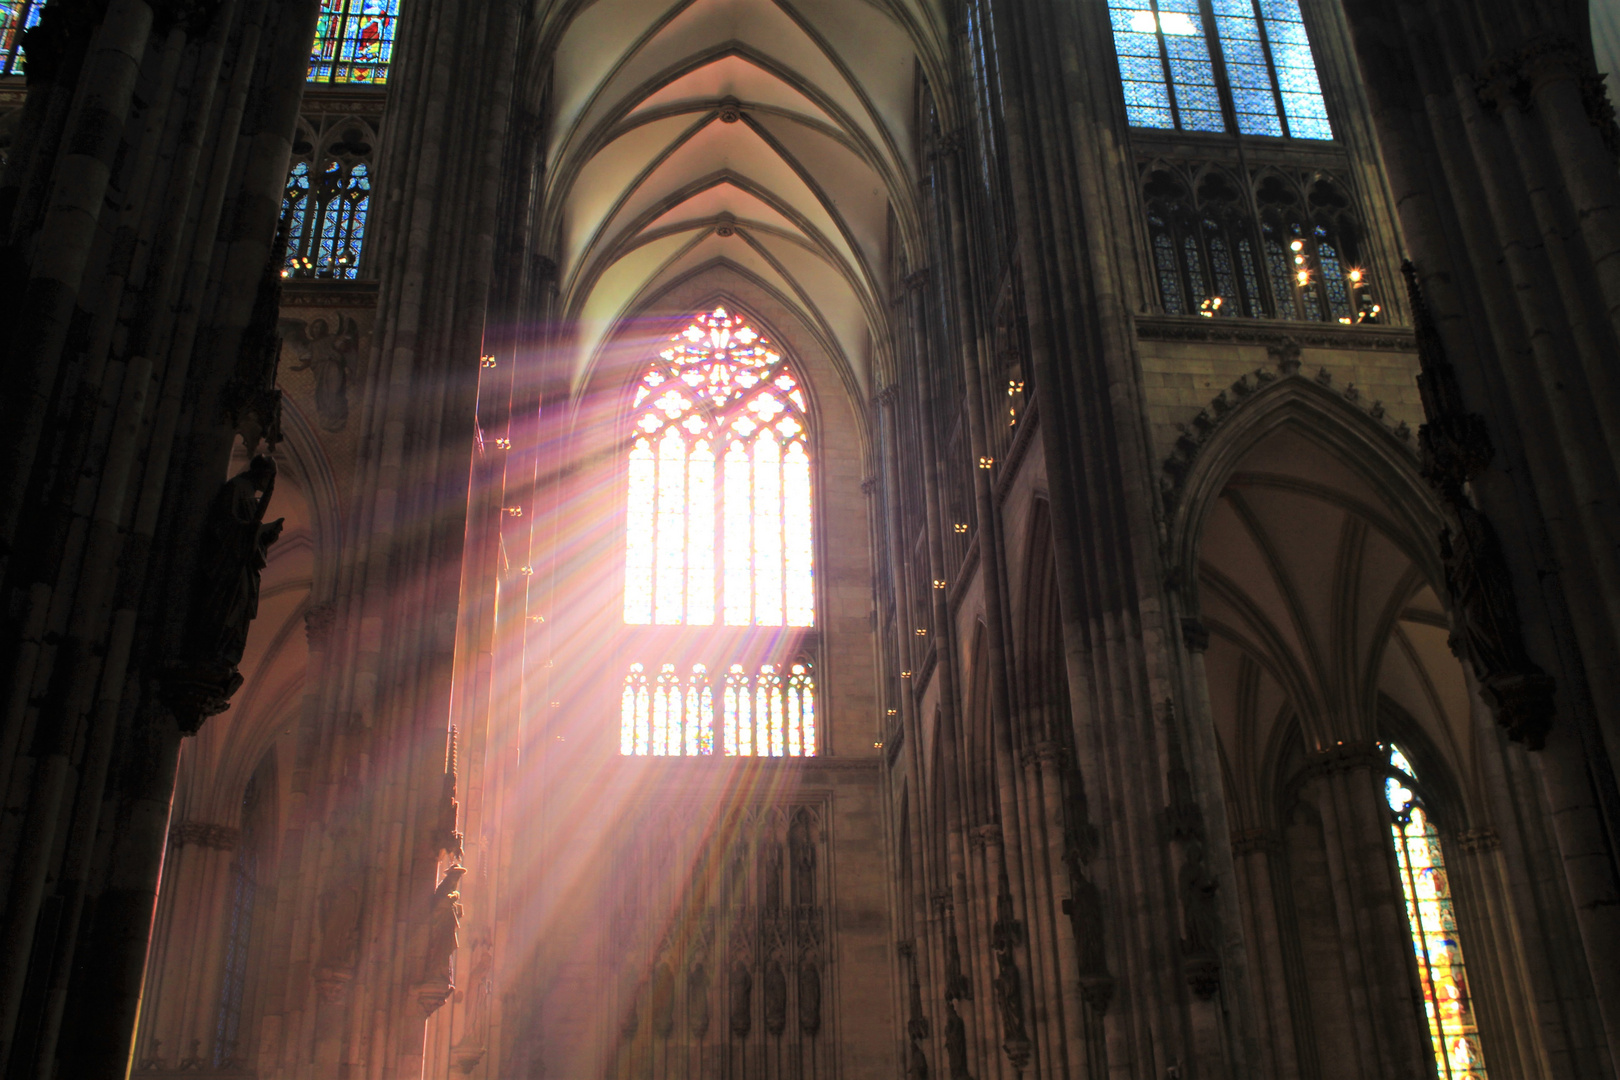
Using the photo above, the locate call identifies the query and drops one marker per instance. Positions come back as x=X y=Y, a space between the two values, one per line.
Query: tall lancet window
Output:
x=719 y=581
x=1458 y=1054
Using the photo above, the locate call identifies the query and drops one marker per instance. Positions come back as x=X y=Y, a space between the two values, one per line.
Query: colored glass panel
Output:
x=762 y=714
x=1301 y=92
x=328 y=219
x=719 y=528
x=1458 y=1052
x=1164 y=263
x=15 y=17
x=354 y=41
x=1248 y=74
x=1170 y=80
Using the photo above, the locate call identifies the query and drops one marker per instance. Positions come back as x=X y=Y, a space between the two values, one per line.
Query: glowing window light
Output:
x=671 y=535
x=767 y=531
x=799 y=557
x=739 y=517
x=699 y=713
x=739 y=722
x=765 y=714
x=354 y=41
x=635 y=714
x=639 y=527
x=1458 y=1053
x=719 y=528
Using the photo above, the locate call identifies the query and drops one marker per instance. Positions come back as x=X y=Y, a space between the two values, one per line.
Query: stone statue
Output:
x=956 y=1055
x=742 y=993
x=235 y=548
x=238 y=545
x=443 y=922
x=1197 y=886
x=809 y=997
x=775 y=998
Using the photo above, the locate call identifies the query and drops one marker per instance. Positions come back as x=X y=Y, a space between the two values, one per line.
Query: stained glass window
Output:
x=328 y=219
x=1458 y=1054
x=1262 y=60
x=719 y=533
x=15 y=17
x=354 y=41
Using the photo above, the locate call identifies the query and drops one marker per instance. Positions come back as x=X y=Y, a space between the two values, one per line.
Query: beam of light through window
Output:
x=719 y=529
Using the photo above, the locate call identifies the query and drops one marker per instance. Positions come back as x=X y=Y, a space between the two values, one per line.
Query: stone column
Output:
x=1498 y=140
x=1370 y=910
x=378 y=898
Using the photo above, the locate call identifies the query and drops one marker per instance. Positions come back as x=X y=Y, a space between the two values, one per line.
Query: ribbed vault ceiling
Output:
x=768 y=138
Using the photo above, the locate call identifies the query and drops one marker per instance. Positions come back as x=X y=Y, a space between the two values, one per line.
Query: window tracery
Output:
x=719 y=533
x=15 y=17
x=354 y=42
x=1219 y=65
x=1281 y=249
x=328 y=205
x=1447 y=1003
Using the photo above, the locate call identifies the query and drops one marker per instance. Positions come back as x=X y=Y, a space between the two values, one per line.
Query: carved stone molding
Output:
x=1045 y=753
x=1197 y=432
x=1512 y=81
x=1472 y=840
x=983 y=836
x=204 y=834
x=332 y=985
x=318 y=622
x=1274 y=334
x=1345 y=757
x=1249 y=841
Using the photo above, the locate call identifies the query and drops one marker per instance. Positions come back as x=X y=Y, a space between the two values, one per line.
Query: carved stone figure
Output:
x=1006 y=934
x=697 y=998
x=809 y=997
x=775 y=998
x=1197 y=886
x=443 y=922
x=480 y=993
x=325 y=350
x=237 y=550
x=956 y=1055
x=917 y=1066
x=802 y=849
x=663 y=999
x=742 y=994
x=1487 y=632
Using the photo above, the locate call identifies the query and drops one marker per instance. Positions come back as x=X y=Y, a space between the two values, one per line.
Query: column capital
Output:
x=204 y=834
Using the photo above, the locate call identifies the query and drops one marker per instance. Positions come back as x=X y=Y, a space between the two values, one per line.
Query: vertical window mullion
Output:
x=1217 y=64
x=1271 y=66
x=1164 y=61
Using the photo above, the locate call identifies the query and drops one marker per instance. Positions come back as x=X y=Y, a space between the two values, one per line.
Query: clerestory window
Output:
x=1219 y=65
x=15 y=17
x=328 y=208
x=719 y=586
x=354 y=42
x=1453 y=1030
